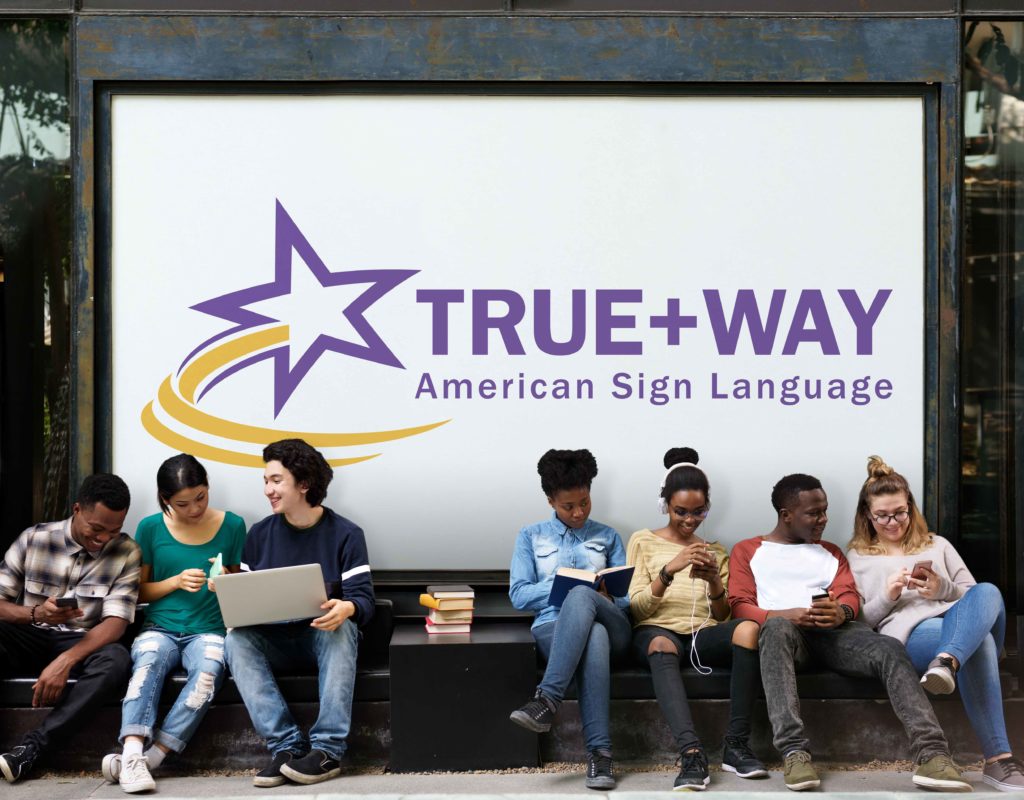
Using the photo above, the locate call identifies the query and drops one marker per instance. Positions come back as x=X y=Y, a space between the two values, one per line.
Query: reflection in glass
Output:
x=35 y=267
x=993 y=304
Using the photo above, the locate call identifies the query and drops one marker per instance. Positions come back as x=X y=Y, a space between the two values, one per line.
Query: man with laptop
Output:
x=301 y=530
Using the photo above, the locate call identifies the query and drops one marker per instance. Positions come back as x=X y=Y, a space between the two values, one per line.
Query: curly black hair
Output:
x=306 y=465
x=103 y=487
x=787 y=491
x=561 y=470
x=684 y=478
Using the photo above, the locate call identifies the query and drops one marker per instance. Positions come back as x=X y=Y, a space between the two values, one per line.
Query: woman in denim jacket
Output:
x=590 y=630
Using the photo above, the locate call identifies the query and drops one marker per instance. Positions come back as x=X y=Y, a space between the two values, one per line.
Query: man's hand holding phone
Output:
x=825 y=611
x=53 y=612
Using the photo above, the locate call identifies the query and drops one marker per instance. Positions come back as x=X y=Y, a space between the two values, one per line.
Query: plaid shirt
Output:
x=45 y=561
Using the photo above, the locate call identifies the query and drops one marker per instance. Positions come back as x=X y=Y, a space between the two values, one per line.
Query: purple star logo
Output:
x=232 y=307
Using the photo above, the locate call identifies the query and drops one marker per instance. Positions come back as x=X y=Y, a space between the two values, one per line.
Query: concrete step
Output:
x=840 y=730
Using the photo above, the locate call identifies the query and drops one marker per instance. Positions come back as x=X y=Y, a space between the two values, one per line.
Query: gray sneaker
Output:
x=1006 y=774
x=940 y=677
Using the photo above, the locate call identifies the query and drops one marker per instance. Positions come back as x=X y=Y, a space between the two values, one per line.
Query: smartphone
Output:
x=67 y=602
x=822 y=595
x=918 y=573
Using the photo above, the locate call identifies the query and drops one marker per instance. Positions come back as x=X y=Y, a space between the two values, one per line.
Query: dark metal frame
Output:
x=561 y=54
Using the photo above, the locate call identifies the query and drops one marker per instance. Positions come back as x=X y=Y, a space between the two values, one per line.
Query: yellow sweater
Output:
x=675 y=610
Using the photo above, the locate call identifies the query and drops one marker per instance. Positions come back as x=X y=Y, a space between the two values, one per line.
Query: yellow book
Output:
x=445 y=604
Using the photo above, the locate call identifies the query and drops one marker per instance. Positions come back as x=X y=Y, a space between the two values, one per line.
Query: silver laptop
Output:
x=271 y=595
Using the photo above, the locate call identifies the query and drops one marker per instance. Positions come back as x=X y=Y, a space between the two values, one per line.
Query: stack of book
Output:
x=449 y=608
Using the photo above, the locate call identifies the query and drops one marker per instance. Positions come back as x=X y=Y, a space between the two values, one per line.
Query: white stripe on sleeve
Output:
x=355 y=571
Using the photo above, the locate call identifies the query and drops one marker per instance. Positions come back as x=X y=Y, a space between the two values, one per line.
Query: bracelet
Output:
x=847 y=612
x=666 y=579
x=718 y=596
x=34 y=614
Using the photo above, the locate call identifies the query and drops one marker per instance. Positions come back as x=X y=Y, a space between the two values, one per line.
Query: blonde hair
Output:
x=883 y=479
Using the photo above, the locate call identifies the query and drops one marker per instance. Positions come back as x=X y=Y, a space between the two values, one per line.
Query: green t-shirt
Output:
x=181 y=611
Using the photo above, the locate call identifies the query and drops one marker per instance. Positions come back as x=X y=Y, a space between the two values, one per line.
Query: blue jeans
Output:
x=589 y=633
x=255 y=652
x=972 y=631
x=155 y=654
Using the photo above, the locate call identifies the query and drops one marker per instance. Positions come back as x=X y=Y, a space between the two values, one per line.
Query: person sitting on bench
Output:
x=802 y=593
x=303 y=531
x=917 y=589
x=680 y=608
x=67 y=594
x=581 y=638
x=183 y=626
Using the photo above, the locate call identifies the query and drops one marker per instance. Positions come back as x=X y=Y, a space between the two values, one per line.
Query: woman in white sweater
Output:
x=917 y=589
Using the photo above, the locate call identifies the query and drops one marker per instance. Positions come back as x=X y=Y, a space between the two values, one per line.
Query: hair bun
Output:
x=680 y=455
x=877 y=468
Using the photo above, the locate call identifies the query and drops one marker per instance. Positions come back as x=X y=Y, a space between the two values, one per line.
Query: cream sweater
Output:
x=676 y=609
x=898 y=618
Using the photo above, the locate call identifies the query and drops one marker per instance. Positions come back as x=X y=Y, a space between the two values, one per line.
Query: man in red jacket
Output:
x=800 y=590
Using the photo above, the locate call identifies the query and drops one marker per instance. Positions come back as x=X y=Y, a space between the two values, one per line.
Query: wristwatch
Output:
x=666 y=579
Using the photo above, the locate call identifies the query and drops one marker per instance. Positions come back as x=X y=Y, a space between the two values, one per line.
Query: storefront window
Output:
x=35 y=268
x=992 y=372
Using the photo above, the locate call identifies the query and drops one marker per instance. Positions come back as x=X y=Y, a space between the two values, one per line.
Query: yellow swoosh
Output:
x=163 y=434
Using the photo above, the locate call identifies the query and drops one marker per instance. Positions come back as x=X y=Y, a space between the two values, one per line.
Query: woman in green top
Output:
x=183 y=625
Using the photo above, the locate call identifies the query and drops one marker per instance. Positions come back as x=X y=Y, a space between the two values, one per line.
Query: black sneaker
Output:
x=693 y=774
x=316 y=767
x=271 y=775
x=599 y=770
x=737 y=757
x=536 y=715
x=18 y=762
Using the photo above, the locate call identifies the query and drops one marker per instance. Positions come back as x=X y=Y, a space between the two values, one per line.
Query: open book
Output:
x=616 y=581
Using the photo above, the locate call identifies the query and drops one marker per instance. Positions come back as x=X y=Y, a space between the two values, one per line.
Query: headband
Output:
x=662 y=504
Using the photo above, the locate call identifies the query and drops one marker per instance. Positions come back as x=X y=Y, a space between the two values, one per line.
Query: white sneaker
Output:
x=135 y=775
x=111 y=767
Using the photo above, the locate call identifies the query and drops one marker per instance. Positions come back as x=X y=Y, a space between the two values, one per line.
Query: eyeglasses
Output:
x=888 y=519
x=700 y=513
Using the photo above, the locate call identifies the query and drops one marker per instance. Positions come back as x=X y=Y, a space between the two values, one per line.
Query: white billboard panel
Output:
x=437 y=289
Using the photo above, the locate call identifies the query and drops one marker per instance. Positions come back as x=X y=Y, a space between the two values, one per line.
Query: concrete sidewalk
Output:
x=633 y=784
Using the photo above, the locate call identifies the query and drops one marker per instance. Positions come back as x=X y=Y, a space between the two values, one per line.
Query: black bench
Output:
x=371 y=675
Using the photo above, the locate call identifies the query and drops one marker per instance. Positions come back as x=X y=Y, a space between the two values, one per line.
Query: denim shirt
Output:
x=544 y=547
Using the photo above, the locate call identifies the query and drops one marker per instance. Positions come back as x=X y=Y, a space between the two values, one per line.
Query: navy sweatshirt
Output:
x=335 y=543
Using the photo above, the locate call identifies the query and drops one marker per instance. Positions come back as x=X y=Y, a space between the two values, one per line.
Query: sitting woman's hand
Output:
x=191 y=580
x=693 y=554
x=928 y=587
x=896 y=583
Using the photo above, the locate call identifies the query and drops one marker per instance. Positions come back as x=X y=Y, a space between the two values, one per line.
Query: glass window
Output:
x=992 y=371
x=35 y=267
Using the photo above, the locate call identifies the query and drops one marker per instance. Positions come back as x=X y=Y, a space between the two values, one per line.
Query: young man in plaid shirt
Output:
x=93 y=568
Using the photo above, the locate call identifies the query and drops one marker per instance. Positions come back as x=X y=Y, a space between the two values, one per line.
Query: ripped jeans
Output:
x=155 y=654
